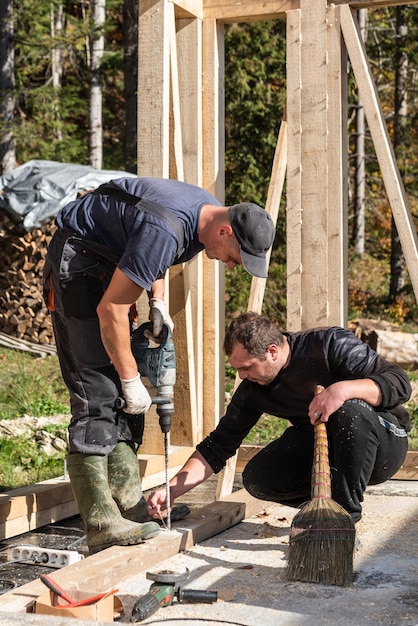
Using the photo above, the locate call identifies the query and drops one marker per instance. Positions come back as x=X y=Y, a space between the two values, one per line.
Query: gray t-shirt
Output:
x=142 y=246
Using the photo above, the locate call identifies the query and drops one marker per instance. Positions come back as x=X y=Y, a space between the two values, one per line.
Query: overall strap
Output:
x=107 y=189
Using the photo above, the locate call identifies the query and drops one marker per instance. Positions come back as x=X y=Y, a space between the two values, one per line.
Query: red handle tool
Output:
x=53 y=586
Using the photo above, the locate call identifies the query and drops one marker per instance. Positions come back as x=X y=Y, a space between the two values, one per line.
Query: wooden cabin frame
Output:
x=181 y=135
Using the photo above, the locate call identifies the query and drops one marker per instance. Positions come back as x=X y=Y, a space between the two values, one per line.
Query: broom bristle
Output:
x=322 y=533
x=322 y=537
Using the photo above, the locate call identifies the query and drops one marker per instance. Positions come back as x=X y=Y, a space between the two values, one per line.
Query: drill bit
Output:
x=167 y=482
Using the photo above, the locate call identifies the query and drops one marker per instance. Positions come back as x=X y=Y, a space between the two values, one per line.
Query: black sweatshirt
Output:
x=320 y=356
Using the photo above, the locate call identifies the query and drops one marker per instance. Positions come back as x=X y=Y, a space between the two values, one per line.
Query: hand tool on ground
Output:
x=71 y=603
x=156 y=360
x=53 y=586
x=163 y=591
x=322 y=533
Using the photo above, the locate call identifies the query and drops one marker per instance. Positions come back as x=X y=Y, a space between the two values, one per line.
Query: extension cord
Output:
x=43 y=556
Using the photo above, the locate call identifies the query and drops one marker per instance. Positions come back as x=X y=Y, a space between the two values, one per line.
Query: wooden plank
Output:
x=314 y=175
x=153 y=88
x=13 y=527
x=258 y=285
x=176 y=133
x=372 y=4
x=189 y=60
x=337 y=163
x=382 y=144
x=106 y=569
x=247 y=10
x=408 y=471
x=188 y=8
x=183 y=431
x=31 y=507
x=212 y=391
x=294 y=172
x=230 y=11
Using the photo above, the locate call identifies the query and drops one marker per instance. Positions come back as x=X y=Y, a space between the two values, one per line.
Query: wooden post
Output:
x=258 y=285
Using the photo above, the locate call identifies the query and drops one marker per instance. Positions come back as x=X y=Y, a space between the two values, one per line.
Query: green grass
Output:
x=23 y=463
x=30 y=385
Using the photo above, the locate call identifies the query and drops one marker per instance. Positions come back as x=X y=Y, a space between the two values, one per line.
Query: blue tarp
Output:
x=34 y=192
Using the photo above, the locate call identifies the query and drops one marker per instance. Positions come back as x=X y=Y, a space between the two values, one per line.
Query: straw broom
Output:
x=322 y=533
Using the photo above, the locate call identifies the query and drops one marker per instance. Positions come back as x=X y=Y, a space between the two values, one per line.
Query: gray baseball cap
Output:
x=254 y=230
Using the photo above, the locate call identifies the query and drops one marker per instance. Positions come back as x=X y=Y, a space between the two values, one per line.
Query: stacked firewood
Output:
x=22 y=310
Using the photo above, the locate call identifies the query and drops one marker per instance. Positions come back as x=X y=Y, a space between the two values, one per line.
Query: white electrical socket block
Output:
x=43 y=556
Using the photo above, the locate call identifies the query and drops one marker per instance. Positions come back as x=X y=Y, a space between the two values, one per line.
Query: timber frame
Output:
x=181 y=135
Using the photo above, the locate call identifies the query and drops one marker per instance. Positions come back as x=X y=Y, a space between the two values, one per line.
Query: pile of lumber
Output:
x=22 y=310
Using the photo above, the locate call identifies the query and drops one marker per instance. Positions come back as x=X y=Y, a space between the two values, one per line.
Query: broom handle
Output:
x=321 y=474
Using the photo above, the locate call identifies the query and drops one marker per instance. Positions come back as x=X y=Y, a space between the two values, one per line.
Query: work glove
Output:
x=159 y=315
x=135 y=395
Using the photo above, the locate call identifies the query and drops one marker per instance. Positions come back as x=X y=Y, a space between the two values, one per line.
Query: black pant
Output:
x=78 y=278
x=366 y=448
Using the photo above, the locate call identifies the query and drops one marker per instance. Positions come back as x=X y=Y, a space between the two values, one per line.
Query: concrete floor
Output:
x=246 y=566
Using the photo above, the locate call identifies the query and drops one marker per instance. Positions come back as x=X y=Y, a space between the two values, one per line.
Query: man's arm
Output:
x=334 y=396
x=113 y=314
x=195 y=471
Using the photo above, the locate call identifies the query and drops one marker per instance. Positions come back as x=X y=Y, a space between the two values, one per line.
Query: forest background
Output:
x=68 y=93
x=68 y=74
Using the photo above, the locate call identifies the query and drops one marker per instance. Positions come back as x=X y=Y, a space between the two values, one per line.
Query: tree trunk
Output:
x=360 y=171
x=397 y=259
x=96 y=94
x=56 y=63
x=7 y=85
x=130 y=46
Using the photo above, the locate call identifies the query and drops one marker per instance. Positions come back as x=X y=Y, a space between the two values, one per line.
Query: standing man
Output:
x=361 y=406
x=110 y=245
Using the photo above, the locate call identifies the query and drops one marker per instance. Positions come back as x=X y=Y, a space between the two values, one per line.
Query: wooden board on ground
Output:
x=28 y=508
x=106 y=569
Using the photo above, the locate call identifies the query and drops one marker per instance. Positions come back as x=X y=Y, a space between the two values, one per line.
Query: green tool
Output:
x=163 y=591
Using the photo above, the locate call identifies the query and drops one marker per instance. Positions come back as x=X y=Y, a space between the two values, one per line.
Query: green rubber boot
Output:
x=102 y=519
x=125 y=482
x=125 y=485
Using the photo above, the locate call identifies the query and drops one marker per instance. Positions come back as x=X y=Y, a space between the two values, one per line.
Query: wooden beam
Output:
x=185 y=9
x=408 y=471
x=258 y=285
x=213 y=179
x=382 y=143
x=28 y=508
x=247 y=10
x=372 y=4
x=314 y=164
x=294 y=171
x=106 y=569
x=153 y=88
x=337 y=164
x=232 y=11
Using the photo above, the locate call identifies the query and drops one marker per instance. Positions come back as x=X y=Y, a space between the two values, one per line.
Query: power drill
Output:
x=163 y=591
x=156 y=360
